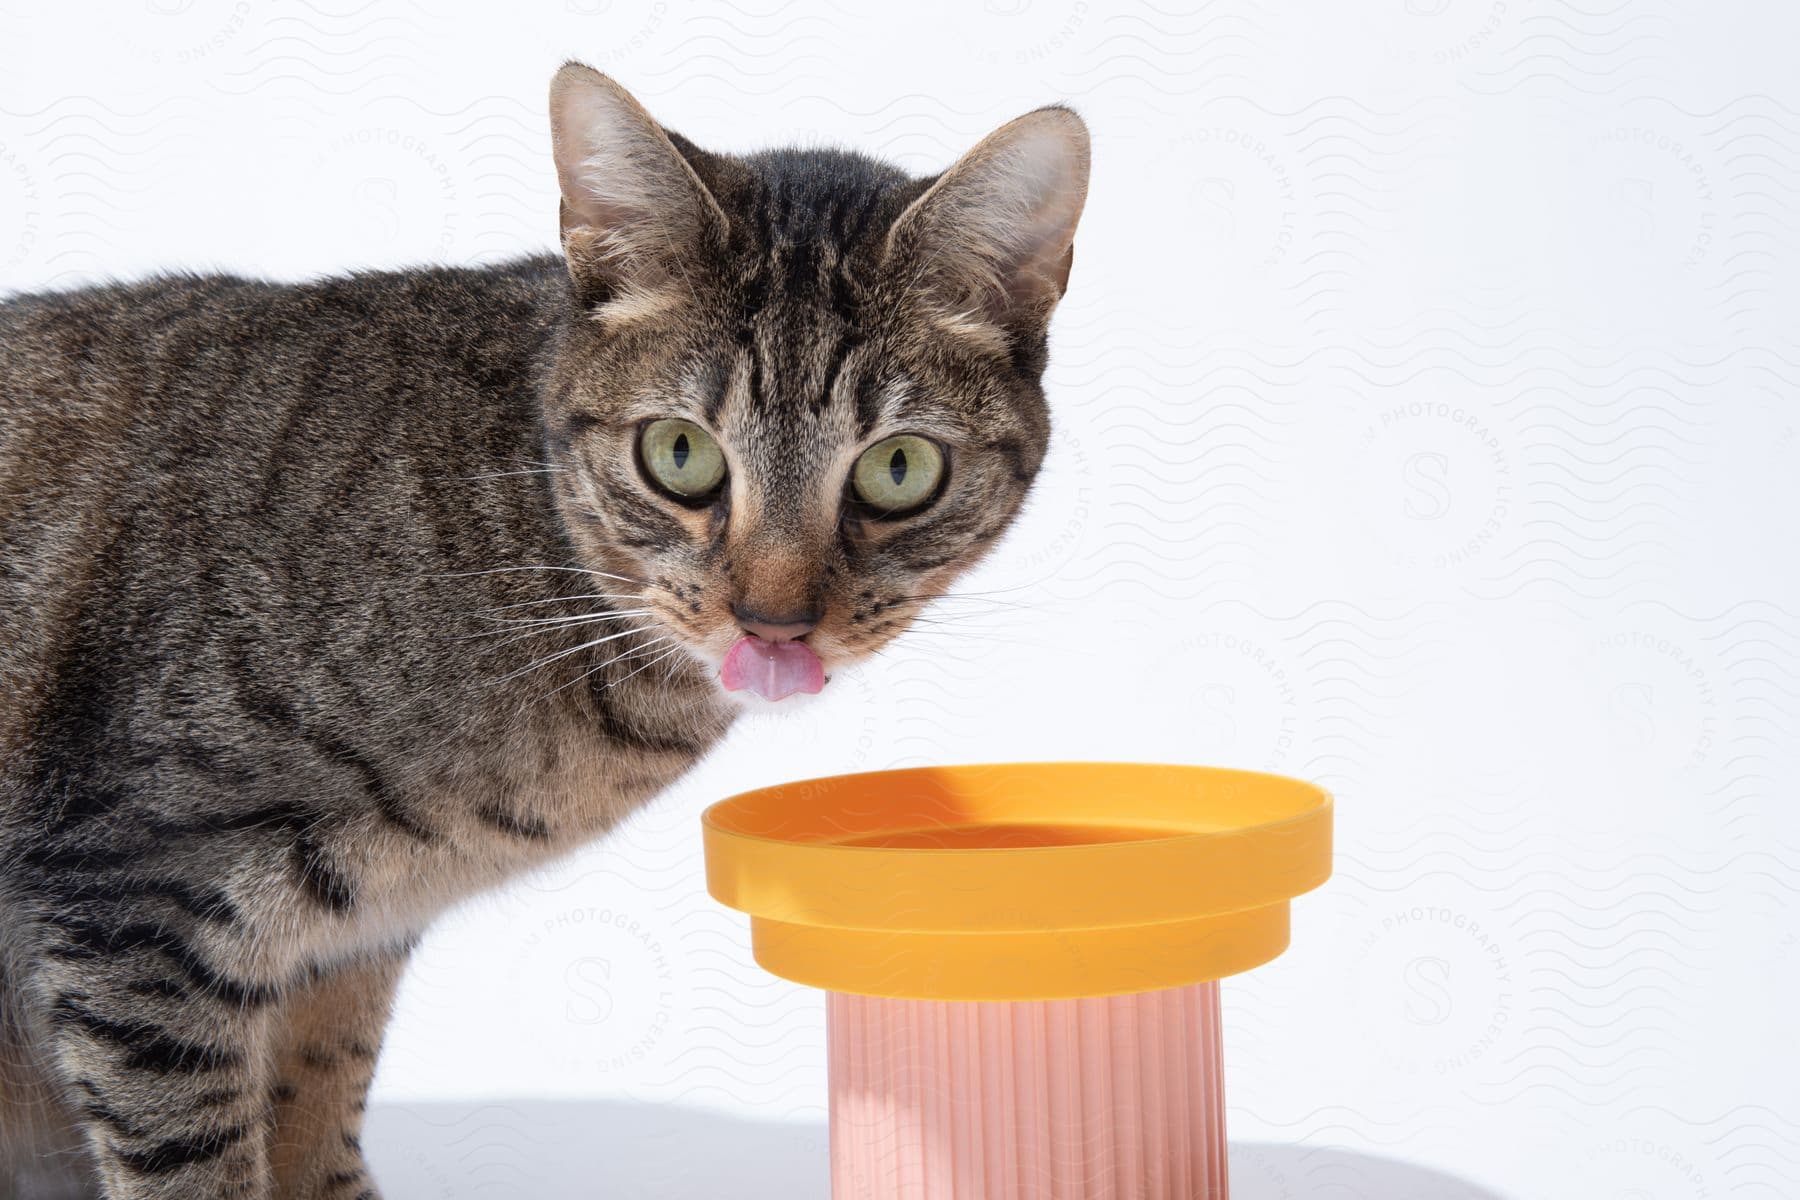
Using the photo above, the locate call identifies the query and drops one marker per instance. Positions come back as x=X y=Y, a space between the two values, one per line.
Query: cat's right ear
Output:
x=632 y=207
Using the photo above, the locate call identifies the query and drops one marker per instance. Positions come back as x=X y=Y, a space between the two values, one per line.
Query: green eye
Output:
x=899 y=474
x=682 y=458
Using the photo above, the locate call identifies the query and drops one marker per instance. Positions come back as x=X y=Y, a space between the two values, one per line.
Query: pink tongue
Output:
x=773 y=670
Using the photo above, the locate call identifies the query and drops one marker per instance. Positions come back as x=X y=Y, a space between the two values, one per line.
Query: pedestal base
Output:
x=1115 y=1098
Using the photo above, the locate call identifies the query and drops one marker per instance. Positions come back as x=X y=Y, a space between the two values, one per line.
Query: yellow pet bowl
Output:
x=1028 y=881
x=1022 y=963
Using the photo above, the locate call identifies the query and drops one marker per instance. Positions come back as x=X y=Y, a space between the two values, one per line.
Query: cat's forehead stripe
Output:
x=890 y=400
x=709 y=386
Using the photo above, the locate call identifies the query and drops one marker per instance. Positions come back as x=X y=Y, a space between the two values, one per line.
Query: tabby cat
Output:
x=325 y=605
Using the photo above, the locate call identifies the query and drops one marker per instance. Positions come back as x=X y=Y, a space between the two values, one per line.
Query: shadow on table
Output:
x=599 y=1150
x=1271 y=1171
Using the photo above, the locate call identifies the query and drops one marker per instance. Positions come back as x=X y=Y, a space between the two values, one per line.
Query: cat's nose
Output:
x=770 y=627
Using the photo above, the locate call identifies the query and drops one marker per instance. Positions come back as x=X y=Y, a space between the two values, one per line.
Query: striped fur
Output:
x=277 y=571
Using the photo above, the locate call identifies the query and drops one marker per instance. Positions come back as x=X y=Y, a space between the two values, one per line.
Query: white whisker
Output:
x=971 y=620
x=510 y=570
x=520 y=629
x=646 y=648
x=646 y=666
x=965 y=598
x=561 y=654
x=574 y=619
x=561 y=600
x=501 y=474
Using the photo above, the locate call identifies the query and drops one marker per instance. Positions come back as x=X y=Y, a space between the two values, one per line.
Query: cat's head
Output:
x=802 y=390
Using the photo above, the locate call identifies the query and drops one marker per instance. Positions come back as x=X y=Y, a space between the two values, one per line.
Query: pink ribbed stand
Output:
x=1114 y=1098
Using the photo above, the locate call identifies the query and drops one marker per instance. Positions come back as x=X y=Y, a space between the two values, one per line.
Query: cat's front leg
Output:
x=165 y=1062
x=327 y=1035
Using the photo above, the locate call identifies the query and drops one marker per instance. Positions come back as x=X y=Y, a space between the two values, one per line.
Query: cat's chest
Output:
x=518 y=798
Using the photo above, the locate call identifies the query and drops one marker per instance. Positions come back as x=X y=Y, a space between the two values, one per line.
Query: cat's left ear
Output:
x=633 y=210
x=993 y=238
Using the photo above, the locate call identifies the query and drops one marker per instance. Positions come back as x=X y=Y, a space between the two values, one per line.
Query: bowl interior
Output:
x=1005 y=835
x=1016 y=806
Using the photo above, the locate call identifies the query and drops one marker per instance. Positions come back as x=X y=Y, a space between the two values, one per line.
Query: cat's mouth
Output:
x=772 y=670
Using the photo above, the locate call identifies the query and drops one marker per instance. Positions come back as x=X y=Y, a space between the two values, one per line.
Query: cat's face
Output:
x=805 y=396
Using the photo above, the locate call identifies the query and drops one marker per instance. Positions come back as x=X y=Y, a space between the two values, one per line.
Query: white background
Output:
x=1425 y=428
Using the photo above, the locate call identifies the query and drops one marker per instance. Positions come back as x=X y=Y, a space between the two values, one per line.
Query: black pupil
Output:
x=680 y=451
x=897 y=466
